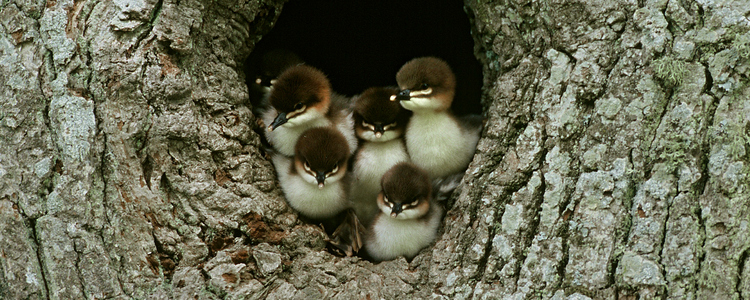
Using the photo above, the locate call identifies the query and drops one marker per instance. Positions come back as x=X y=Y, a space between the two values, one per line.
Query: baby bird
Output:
x=408 y=220
x=436 y=140
x=301 y=98
x=271 y=64
x=314 y=181
x=379 y=124
x=263 y=71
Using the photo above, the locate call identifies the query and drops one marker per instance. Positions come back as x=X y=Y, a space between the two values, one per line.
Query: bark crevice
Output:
x=740 y=272
x=31 y=224
x=79 y=271
x=149 y=26
x=531 y=232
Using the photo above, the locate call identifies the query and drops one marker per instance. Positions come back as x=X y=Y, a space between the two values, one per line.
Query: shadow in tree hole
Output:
x=362 y=44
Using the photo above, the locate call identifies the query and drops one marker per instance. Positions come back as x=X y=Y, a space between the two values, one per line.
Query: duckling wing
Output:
x=347 y=238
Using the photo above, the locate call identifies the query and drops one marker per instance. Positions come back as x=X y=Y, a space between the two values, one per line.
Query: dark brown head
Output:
x=300 y=94
x=425 y=83
x=406 y=192
x=272 y=64
x=320 y=155
x=376 y=118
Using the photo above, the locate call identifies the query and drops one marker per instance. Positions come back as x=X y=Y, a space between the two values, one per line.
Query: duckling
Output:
x=314 y=181
x=263 y=72
x=408 y=220
x=379 y=125
x=436 y=140
x=272 y=64
x=263 y=69
x=301 y=98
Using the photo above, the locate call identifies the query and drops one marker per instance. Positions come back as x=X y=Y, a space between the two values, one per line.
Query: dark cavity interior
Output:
x=362 y=44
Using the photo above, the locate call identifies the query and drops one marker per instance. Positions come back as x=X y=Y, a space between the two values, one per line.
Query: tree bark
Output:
x=613 y=164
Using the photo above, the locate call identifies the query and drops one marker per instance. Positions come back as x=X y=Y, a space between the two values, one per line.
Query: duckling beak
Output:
x=396 y=209
x=280 y=120
x=402 y=95
x=379 y=130
x=321 y=178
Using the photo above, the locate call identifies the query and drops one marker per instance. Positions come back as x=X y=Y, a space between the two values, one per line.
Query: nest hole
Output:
x=363 y=44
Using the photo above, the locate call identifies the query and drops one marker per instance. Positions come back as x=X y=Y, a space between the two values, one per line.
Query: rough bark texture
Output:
x=613 y=166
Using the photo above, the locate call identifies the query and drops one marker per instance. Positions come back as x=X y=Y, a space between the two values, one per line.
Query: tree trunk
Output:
x=613 y=164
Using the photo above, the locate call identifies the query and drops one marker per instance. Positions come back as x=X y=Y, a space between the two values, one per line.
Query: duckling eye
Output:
x=387 y=201
x=413 y=201
x=307 y=167
x=335 y=169
x=367 y=125
x=299 y=106
x=424 y=86
x=389 y=126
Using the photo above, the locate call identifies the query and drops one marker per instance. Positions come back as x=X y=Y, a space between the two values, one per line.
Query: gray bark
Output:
x=613 y=165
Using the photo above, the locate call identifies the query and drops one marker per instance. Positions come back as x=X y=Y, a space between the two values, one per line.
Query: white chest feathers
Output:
x=436 y=143
x=390 y=238
x=307 y=198
x=345 y=125
x=372 y=161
